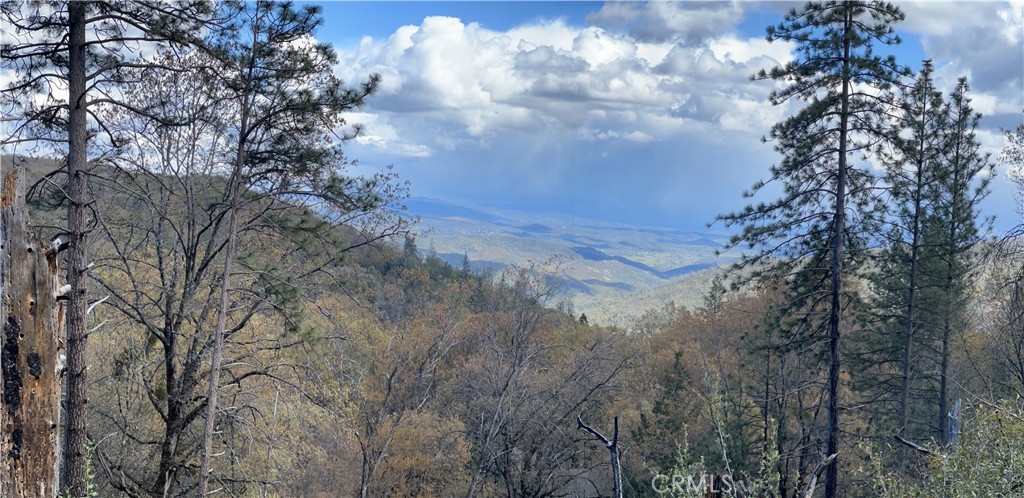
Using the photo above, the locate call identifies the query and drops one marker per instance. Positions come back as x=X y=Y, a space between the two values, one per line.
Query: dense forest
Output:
x=247 y=317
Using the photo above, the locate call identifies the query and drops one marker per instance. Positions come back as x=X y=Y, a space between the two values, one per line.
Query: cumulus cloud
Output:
x=983 y=41
x=382 y=136
x=591 y=83
x=643 y=91
x=661 y=21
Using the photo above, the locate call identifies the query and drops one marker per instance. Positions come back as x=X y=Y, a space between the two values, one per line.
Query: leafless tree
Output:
x=528 y=383
x=71 y=58
x=166 y=225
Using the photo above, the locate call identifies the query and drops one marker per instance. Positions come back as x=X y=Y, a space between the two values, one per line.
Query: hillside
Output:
x=610 y=271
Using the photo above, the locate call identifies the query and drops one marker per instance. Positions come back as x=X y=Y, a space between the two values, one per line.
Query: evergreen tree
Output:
x=76 y=54
x=286 y=105
x=911 y=162
x=806 y=236
x=952 y=232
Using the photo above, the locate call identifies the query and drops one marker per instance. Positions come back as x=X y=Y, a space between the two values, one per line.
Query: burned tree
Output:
x=30 y=350
x=69 y=59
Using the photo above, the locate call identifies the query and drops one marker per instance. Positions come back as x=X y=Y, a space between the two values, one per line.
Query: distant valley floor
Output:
x=610 y=271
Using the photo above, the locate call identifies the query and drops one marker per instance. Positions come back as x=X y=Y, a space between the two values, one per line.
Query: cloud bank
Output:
x=631 y=110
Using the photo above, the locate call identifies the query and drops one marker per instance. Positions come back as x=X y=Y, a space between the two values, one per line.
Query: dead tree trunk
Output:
x=613 y=449
x=30 y=351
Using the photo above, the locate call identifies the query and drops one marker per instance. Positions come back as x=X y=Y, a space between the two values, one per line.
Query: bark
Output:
x=832 y=474
x=915 y=249
x=73 y=466
x=613 y=450
x=951 y=300
x=947 y=332
x=30 y=364
x=230 y=250
x=218 y=333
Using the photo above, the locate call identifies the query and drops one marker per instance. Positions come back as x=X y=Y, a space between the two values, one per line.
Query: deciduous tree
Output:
x=70 y=58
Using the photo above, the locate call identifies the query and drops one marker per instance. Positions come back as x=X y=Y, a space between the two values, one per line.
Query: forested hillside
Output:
x=249 y=313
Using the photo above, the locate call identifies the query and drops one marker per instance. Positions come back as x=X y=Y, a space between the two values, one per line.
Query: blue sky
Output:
x=634 y=112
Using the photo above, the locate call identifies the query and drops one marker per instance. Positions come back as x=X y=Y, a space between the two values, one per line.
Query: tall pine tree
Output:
x=76 y=54
x=814 y=234
x=286 y=107
x=911 y=161
x=952 y=232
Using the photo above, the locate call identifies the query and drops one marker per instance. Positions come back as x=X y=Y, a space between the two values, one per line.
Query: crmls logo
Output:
x=678 y=484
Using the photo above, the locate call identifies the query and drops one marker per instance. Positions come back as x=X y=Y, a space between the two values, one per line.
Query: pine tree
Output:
x=76 y=53
x=911 y=162
x=806 y=237
x=953 y=231
x=287 y=105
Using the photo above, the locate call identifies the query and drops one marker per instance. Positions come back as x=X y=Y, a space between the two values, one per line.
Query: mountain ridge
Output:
x=611 y=271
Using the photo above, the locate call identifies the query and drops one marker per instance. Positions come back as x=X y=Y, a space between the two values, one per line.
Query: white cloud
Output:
x=379 y=134
x=669 y=21
x=555 y=34
x=598 y=48
x=655 y=97
x=734 y=49
x=590 y=83
x=981 y=40
x=592 y=135
x=1013 y=21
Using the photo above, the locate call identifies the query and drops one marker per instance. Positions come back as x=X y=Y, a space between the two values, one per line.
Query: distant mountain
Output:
x=592 y=254
x=611 y=271
x=432 y=208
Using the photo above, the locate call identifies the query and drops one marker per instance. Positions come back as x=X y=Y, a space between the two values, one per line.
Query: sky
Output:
x=634 y=112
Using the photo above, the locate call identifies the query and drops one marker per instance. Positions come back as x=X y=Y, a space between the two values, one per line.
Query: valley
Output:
x=612 y=272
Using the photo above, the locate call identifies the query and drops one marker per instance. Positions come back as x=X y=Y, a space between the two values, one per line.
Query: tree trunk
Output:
x=30 y=364
x=951 y=252
x=73 y=467
x=218 y=345
x=839 y=226
x=613 y=450
x=908 y=344
x=230 y=250
x=947 y=331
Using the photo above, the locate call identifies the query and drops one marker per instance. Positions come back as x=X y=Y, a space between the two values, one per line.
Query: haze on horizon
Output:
x=635 y=112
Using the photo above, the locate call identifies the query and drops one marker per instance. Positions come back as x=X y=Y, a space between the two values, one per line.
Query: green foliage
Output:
x=814 y=237
x=691 y=477
x=90 y=485
x=795 y=233
x=986 y=461
x=890 y=353
x=434 y=380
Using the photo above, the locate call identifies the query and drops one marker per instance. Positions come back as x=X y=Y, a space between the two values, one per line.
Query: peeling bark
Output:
x=30 y=349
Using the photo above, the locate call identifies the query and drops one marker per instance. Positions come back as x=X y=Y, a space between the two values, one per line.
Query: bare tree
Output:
x=30 y=349
x=613 y=449
x=402 y=382
x=527 y=385
x=166 y=221
x=80 y=49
